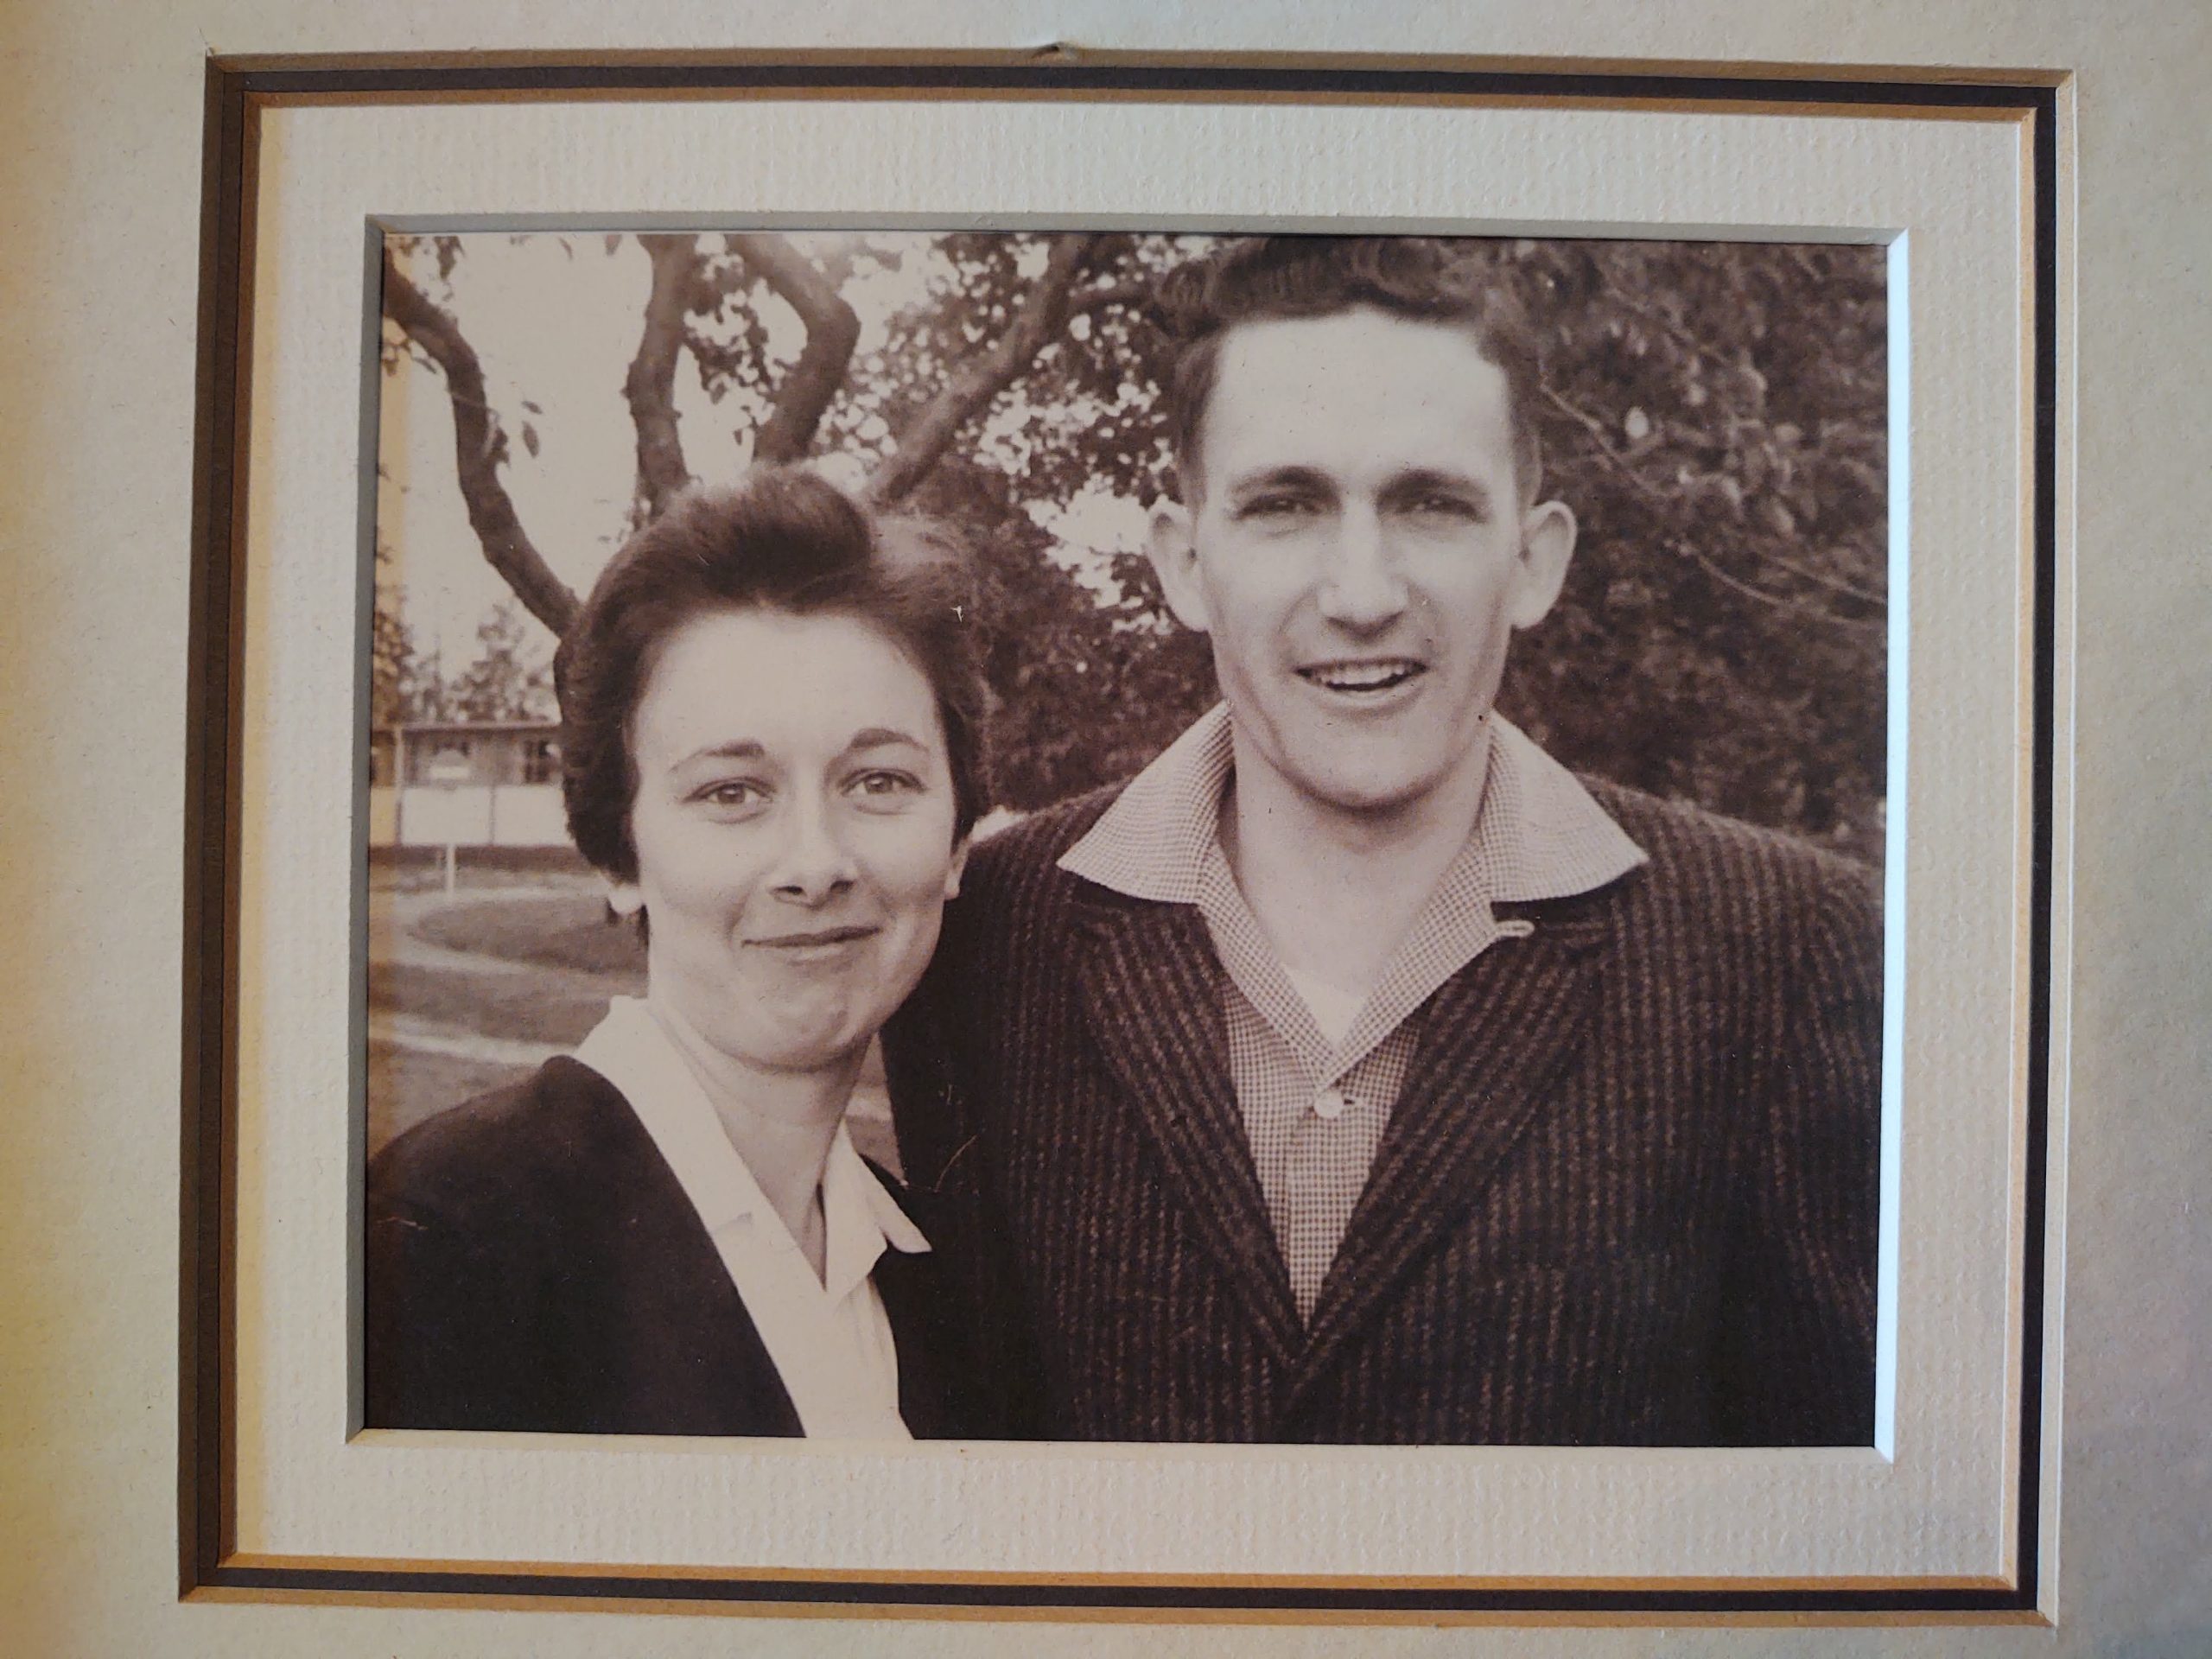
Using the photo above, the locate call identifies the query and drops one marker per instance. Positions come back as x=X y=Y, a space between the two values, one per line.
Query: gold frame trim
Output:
x=224 y=425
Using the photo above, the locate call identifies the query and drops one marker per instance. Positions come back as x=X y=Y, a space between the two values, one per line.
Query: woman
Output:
x=770 y=742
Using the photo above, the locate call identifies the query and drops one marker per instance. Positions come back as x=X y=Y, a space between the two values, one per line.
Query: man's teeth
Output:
x=1361 y=677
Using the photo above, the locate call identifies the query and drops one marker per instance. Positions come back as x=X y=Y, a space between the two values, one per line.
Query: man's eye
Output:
x=1442 y=504
x=1280 y=504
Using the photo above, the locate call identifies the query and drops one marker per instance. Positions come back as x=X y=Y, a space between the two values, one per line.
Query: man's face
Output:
x=1355 y=544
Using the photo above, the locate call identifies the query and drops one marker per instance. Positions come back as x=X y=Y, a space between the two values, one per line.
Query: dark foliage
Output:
x=1715 y=415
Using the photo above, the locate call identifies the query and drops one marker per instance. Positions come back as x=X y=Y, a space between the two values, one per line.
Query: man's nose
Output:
x=1361 y=588
x=813 y=864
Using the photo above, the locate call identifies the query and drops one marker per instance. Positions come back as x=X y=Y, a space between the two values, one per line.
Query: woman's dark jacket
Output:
x=533 y=1263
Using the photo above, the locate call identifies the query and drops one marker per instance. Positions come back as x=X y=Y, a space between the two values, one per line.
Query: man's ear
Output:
x=1174 y=552
x=959 y=864
x=1547 y=548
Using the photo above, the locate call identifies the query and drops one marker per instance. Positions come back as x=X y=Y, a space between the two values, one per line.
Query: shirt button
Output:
x=1330 y=1103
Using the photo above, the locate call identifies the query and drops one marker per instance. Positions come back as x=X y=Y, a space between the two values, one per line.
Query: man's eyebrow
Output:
x=1292 y=477
x=1422 y=480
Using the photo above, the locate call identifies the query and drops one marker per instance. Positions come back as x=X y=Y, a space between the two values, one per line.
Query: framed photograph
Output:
x=1309 y=878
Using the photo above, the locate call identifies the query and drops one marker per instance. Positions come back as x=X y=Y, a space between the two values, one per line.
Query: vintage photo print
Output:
x=1131 y=838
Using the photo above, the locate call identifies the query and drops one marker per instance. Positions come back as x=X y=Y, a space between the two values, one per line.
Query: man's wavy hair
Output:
x=1424 y=279
x=783 y=540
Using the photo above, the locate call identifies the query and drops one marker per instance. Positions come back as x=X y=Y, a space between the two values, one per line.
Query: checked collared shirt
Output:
x=1314 y=1106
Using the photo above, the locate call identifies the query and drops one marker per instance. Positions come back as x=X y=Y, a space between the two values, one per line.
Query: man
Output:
x=1356 y=1074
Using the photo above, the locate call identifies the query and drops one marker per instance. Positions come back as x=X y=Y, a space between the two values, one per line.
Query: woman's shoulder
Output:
x=562 y=1118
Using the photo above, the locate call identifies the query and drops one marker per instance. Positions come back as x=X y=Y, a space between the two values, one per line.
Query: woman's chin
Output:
x=789 y=1023
x=798 y=1044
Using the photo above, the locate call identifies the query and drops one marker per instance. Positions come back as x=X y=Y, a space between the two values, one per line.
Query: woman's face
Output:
x=793 y=825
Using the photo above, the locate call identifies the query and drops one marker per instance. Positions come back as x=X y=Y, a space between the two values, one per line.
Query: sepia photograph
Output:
x=1110 y=837
x=1295 y=831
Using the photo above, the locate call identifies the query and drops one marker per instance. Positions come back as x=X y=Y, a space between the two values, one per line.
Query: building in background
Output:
x=466 y=783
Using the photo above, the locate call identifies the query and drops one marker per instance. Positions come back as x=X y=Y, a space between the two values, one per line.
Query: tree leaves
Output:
x=510 y=677
x=1722 y=634
x=1716 y=414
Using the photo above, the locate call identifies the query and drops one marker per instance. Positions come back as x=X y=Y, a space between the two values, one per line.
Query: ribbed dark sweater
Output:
x=1626 y=1196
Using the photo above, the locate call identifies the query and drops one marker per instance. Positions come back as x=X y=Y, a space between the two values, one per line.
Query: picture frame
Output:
x=257 y=624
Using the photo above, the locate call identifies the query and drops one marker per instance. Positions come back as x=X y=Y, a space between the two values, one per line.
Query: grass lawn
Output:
x=569 y=931
x=524 y=1008
x=421 y=869
x=587 y=960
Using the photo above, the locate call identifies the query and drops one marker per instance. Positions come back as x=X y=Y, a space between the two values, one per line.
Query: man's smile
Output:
x=1362 y=676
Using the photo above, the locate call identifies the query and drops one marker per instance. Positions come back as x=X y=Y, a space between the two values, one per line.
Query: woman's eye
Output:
x=732 y=794
x=884 y=786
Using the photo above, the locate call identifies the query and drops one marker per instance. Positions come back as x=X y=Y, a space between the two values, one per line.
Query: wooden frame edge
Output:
x=1064 y=72
x=1096 y=1598
x=1507 y=1618
x=926 y=1578
x=212 y=714
x=236 y=88
x=1067 y=54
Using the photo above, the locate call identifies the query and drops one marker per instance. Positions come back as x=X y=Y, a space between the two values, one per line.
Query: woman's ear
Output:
x=624 y=898
x=959 y=864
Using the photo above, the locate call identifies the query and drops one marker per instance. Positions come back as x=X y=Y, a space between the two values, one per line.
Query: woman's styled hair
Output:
x=1273 y=278
x=783 y=540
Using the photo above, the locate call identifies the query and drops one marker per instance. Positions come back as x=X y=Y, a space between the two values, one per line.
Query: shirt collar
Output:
x=1537 y=834
x=632 y=1050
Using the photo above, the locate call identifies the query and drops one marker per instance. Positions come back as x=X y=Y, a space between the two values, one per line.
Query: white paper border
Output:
x=1943 y=1506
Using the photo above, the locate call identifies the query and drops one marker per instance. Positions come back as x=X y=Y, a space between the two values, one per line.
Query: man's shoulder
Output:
x=1028 y=852
x=1015 y=898
x=1720 y=867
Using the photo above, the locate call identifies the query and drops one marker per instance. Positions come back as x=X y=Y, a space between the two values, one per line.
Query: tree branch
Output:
x=1834 y=584
x=1774 y=600
x=832 y=331
x=1596 y=428
x=1644 y=486
x=971 y=391
x=650 y=387
x=479 y=447
x=1097 y=299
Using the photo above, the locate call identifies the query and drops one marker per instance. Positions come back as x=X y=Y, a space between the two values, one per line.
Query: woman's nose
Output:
x=813 y=866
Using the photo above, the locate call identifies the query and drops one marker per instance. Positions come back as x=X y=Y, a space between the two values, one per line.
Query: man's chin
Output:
x=1376 y=773
x=1370 y=795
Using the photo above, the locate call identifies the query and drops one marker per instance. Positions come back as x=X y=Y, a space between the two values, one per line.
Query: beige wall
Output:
x=98 y=187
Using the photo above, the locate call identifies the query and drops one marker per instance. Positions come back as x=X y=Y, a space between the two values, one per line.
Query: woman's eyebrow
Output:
x=880 y=737
x=738 y=748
